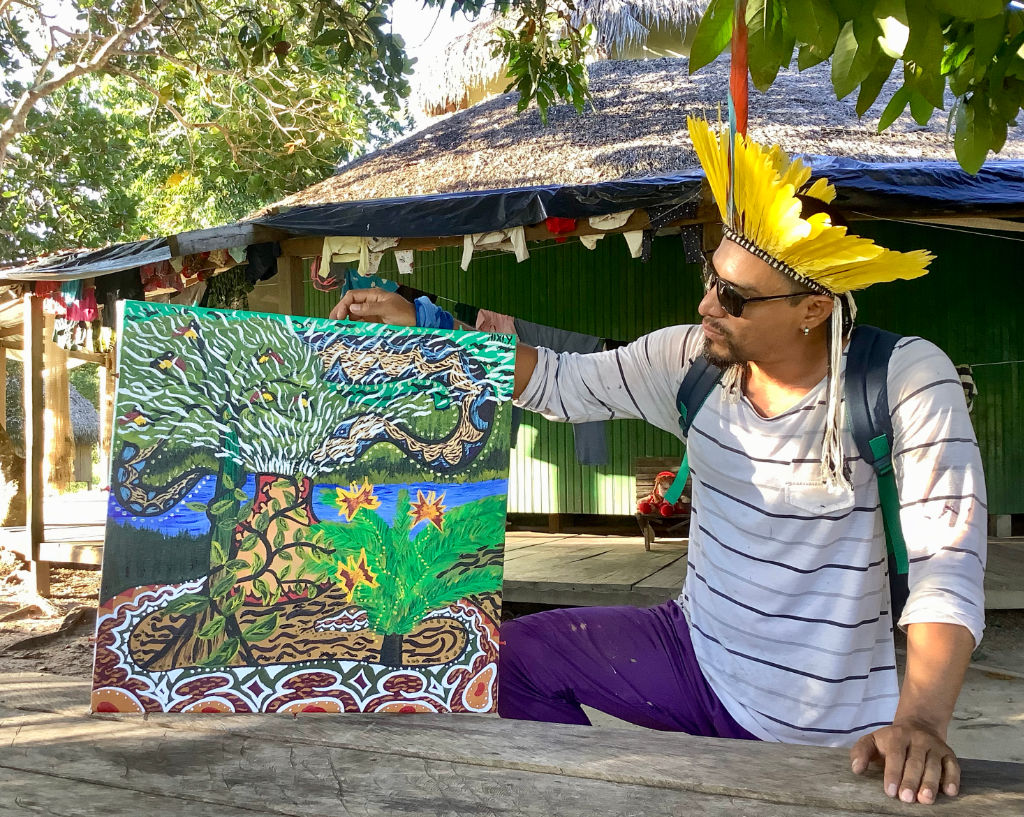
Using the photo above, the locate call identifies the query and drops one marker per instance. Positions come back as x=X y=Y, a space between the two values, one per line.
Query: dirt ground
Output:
x=56 y=635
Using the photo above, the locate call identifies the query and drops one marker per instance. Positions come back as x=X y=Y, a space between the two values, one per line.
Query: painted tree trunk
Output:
x=267 y=540
x=391 y=650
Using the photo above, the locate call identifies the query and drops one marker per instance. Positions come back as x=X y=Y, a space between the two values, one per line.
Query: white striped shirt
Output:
x=786 y=592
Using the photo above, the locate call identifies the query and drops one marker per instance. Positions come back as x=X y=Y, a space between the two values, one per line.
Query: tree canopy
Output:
x=975 y=48
x=133 y=117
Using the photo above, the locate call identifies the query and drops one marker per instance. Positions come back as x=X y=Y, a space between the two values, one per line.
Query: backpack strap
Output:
x=698 y=383
x=867 y=404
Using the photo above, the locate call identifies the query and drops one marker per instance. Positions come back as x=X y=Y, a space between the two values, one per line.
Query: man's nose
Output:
x=709 y=306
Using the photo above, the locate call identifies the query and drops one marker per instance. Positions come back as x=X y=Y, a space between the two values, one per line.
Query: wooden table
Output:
x=58 y=760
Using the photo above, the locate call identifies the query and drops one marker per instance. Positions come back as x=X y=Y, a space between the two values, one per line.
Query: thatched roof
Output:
x=467 y=71
x=85 y=420
x=637 y=129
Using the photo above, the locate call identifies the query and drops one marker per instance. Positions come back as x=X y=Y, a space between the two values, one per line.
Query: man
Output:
x=782 y=631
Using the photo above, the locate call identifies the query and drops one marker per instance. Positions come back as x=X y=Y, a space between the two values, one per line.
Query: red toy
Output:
x=655 y=502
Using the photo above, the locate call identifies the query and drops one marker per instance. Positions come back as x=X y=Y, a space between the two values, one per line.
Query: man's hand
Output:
x=918 y=763
x=914 y=751
x=375 y=306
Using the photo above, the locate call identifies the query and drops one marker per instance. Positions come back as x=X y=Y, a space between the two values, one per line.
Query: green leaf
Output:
x=221 y=507
x=925 y=43
x=968 y=9
x=262 y=590
x=232 y=604
x=260 y=629
x=332 y=36
x=814 y=23
x=187 y=605
x=988 y=36
x=240 y=495
x=224 y=584
x=973 y=134
x=223 y=654
x=198 y=507
x=872 y=84
x=896 y=106
x=217 y=554
x=236 y=564
x=808 y=57
x=214 y=627
x=770 y=43
x=278 y=539
x=713 y=33
x=226 y=480
x=920 y=108
x=855 y=55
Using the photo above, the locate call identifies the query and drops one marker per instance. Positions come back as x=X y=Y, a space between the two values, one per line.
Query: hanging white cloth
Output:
x=404 y=259
x=511 y=240
x=635 y=240
x=612 y=221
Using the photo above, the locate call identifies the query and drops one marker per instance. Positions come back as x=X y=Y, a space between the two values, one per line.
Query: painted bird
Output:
x=269 y=354
x=190 y=330
x=135 y=417
x=166 y=360
x=302 y=399
x=262 y=395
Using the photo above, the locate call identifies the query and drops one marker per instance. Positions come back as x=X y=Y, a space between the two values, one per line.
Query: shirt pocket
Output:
x=818 y=499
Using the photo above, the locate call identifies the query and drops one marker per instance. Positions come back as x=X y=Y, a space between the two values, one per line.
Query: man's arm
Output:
x=943 y=516
x=380 y=306
x=917 y=759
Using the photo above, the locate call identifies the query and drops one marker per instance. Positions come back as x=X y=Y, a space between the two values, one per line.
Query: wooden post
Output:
x=3 y=387
x=107 y=381
x=59 y=440
x=33 y=392
x=292 y=285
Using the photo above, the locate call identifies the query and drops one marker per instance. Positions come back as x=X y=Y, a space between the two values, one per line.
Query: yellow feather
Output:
x=767 y=213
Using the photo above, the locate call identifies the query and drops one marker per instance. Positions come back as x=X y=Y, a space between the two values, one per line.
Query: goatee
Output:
x=722 y=361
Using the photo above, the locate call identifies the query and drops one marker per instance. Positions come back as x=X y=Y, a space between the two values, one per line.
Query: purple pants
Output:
x=635 y=664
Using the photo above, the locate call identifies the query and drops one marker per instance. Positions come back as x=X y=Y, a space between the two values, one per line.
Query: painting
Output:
x=305 y=516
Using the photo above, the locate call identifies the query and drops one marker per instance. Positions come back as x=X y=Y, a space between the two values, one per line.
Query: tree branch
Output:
x=43 y=88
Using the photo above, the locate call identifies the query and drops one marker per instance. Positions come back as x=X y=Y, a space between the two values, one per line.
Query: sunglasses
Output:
x=729 y=297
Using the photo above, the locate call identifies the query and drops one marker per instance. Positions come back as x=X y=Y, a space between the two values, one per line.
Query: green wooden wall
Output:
x=968 y=305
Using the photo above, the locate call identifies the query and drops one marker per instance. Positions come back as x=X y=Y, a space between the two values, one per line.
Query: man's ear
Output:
x=817 y=309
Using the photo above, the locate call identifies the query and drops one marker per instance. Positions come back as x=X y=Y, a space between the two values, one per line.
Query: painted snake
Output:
x=411 y=364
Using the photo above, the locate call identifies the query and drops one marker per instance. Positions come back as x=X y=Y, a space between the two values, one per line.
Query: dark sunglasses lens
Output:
x=731 y=301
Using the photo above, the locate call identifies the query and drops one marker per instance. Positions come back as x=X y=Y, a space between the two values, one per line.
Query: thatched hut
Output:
x=467 y=71
x=490 y=167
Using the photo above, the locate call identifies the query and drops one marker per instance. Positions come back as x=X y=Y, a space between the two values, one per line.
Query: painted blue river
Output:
x=180 y=519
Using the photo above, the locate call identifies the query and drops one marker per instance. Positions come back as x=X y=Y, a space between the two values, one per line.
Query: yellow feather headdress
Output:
x=765 y=218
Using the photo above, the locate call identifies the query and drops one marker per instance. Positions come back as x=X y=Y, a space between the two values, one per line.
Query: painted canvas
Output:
x=305 y=515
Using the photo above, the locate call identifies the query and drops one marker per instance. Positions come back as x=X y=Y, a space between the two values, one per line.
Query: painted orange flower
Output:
x=428 y=509
x=350 y=500
x=353 y=572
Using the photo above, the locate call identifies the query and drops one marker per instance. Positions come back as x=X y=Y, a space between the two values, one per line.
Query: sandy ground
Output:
x=988 y=721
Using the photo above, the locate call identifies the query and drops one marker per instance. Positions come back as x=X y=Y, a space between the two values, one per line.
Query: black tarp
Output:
x=862 y=186
x=92 y=263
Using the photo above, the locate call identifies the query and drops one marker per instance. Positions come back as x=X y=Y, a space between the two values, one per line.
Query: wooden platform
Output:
x=57 y=759
x=560 y=569
x=573 y=570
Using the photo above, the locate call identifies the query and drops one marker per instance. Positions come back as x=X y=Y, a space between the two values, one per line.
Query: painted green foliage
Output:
x=973 y=47
x=454 y=555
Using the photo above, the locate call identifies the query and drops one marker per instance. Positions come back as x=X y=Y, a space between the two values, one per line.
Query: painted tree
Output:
x=246 y=396
x=398 y=576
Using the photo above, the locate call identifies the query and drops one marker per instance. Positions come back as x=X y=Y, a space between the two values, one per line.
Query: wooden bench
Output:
x=646 y=469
